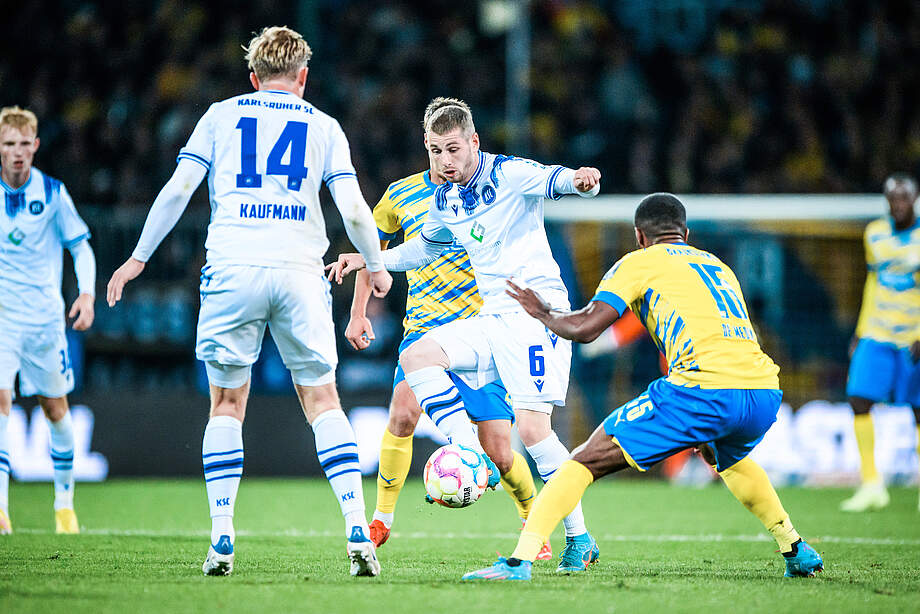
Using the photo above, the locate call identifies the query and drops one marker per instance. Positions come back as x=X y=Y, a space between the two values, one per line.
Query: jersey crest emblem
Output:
x=488 y=195
x=36 y=207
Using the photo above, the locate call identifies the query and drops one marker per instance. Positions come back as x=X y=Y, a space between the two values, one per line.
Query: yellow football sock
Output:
x=751 y=486
x=518 y=483
x=865 y=440
x=395 y=458
x=556 y=501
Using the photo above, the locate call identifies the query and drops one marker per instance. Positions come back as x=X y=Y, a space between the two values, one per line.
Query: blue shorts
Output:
x=884 y=373
x=668 y=418
x=491 y=402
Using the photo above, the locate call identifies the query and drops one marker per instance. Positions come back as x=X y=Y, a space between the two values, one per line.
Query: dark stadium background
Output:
x=690 y=96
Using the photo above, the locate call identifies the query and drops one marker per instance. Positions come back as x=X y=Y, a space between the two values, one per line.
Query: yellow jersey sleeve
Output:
x=385 y=217
x=622 y=284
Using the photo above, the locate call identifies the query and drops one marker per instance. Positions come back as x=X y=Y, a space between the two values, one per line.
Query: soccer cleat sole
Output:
x=363 y=558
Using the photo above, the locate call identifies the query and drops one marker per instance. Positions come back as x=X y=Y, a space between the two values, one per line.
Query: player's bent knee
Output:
x=423 y=353
x=55 y=408
x=404 y=412
x=600 y=454
x=533 y=422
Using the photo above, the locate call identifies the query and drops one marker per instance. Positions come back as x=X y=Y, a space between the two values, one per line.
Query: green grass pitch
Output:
x=663 y=549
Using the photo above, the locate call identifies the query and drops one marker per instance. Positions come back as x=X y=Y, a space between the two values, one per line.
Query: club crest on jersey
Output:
x=478 y=231
x=36 y=207
x=16 y=236
x=539 y=384
x=488 y=195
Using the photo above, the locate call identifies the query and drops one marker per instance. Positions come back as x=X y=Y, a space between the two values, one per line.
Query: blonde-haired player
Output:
x=492 y=206
x=266 y=155
x=38 y=220
x=439 y=292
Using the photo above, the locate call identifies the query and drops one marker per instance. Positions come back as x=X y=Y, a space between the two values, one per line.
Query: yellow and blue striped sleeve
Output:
x=387 y=221
x=621 y=286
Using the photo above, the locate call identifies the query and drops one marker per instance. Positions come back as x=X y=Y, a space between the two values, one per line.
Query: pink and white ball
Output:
x=455 y=476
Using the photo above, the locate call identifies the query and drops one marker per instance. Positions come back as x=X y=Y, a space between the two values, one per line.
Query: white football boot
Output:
x=871 y=496
x=362 y=554
x=219 y=561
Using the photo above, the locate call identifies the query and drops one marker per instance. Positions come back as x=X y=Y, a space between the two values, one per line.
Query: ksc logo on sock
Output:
x=349 y=495
x=224 y=501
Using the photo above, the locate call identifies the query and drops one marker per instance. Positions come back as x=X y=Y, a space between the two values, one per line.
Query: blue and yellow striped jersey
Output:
x=443 y=290
x=890 y=310
x=691 y=303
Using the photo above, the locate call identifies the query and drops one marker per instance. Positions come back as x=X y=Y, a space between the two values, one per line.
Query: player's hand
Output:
x=83 y=310
x=586 y=178
x=346 y=263
x=532 y=302
x=125 y=273
x=381 y=282
x=915 y=351
x=359 y=332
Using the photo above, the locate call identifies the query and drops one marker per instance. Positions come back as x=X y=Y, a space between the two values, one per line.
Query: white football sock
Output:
x=4 y=466
x=222 y=458
x=62 y=459
x=337 y=452
x=440 y=399
x=549 y=455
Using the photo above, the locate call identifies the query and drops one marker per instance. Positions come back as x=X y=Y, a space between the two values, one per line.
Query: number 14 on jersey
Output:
x=293 y=138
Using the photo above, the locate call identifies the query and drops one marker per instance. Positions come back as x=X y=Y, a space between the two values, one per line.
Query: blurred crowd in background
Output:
x=684 y=95
x=709 y=96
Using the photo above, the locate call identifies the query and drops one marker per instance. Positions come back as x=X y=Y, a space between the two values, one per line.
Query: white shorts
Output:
x=532 y=362
x=236 y=304
x=40 y=357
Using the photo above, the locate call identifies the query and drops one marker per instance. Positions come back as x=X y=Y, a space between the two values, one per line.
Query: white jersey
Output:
x=38 y=220
x=267 y=155
x=498 y=219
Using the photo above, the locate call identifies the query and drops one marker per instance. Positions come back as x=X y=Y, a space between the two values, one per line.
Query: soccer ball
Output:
x=455 y=476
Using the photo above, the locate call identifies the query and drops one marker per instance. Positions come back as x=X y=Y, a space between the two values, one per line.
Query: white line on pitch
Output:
x=868 y=541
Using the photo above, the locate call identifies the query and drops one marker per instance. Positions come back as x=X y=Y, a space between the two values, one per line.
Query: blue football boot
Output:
x=579 y=552
x=502 y=570
x=494 y=476
x=803 y=561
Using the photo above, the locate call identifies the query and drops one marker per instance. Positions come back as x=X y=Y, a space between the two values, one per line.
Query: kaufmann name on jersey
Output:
x=267 y=155
x=498 y=219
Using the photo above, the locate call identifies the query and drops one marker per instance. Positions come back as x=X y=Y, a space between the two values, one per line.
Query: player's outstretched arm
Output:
x=168 y=207
x=359 y=331
x=84 y=265
x=582 y=326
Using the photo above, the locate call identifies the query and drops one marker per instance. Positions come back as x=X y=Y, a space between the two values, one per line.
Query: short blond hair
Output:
x=277 y=51
x=18 y=118
x=446 y=114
